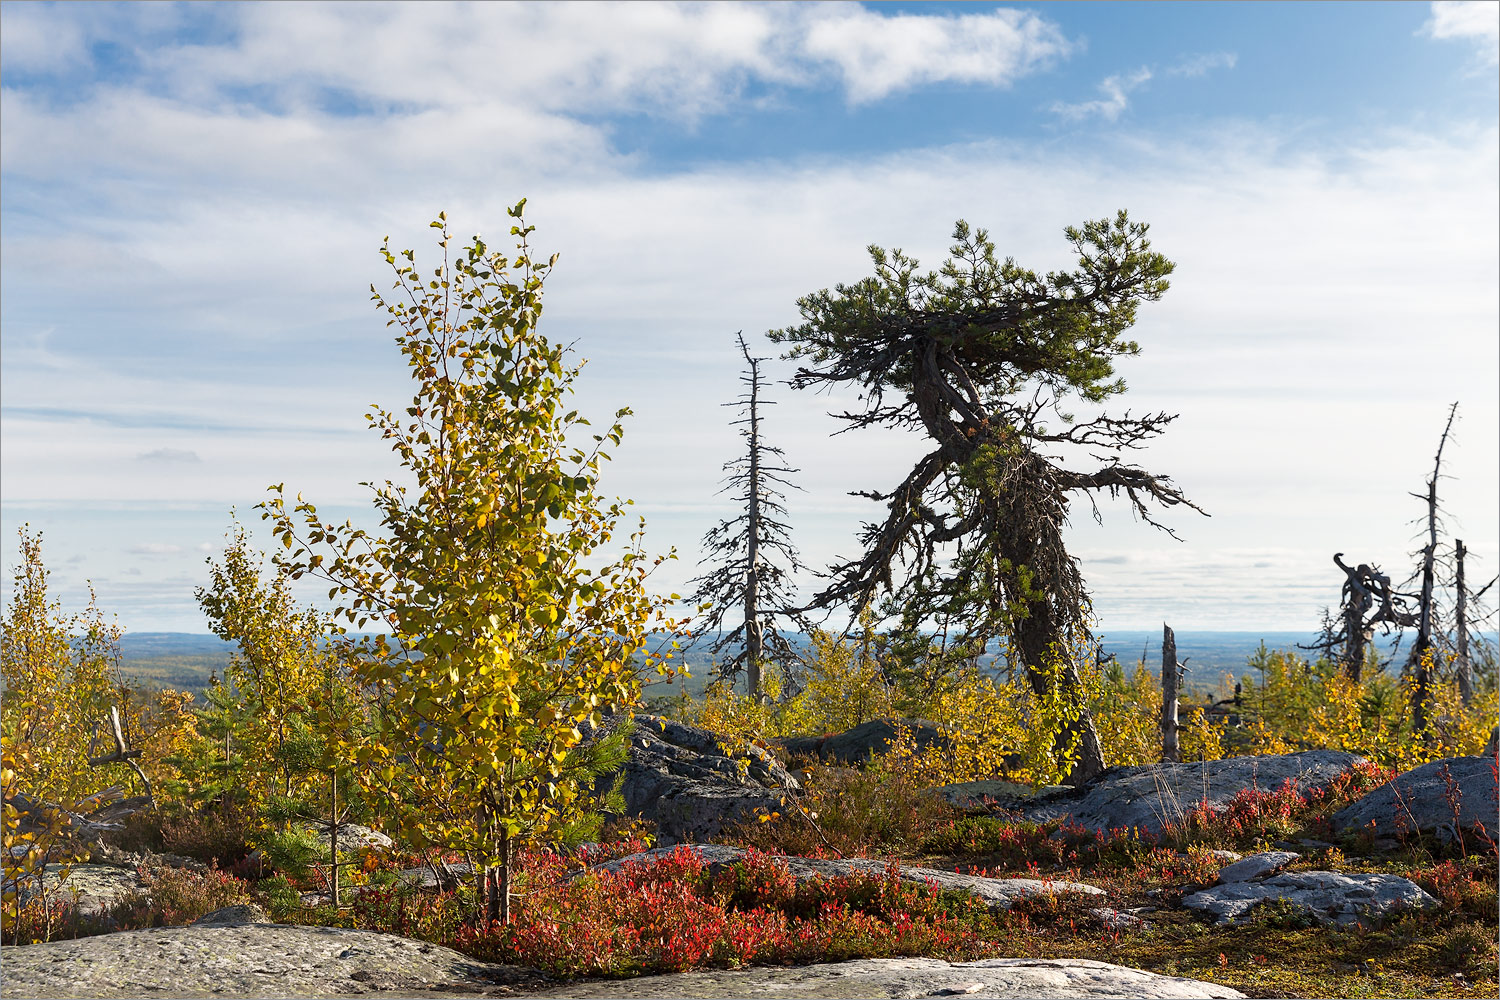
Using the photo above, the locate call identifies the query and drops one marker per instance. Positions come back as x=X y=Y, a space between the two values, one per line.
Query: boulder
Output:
x=233 y=916
x=353 y=838
x=680 y=778
x=1039 y=978
x=981 y=797
x=856 y=746
x=1150 y=796
x=1329 y=897
x=92 y=888
x=999 y=893
x=1444 y=798
x=1256 y=866
x=874 y=738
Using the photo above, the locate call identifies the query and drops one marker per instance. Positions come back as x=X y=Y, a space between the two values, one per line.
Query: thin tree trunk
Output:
x=754 y=644
x=1421 y=651
x=1461 y=640
x=333 y=832
x=1354 y=642
x=1169 y=751
x=501 y=902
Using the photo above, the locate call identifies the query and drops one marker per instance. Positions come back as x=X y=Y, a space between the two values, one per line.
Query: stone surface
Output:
x=1149 y=796
x=1330 y=897
x=247 y=961
x=999 y=893
x=1256 y=866
x=1042 y=979
x=233 y=916
x=270 y=960
x=679 y=777
x=1419 y=801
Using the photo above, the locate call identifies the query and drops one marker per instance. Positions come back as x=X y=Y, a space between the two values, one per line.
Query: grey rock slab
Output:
x=95 y=886
x=680 y=778
x=248 y=960
x=1257 y=865
x=1042 y=979
x=999 y=893
x=1423 y=800
x=1330 y=897
x=1150 y=796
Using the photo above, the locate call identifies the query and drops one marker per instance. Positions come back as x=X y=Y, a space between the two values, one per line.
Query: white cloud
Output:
x=878 y=55
x=1475 y=20
x=155 y=549
x=34 y=40
x=1116 y=90
x=1199 y=65
x=247 y=234
x=680 y=60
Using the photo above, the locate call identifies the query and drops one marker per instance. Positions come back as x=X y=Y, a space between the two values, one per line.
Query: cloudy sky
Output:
x=193 y=197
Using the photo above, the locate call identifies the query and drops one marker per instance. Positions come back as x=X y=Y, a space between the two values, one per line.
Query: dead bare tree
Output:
x=1171 y=675
x=742 y=574
x=976 y=355
x=1419 y=659
x=1368 y=600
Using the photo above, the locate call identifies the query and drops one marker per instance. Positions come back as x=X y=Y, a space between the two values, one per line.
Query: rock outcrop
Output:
x=1328 y=897
x=1256 y=866
x=680 y=778
x=271 y=960
x=999 y=893
x=1150 y=796
x=249 y=960
x=1445 y=798
x=1042 y=979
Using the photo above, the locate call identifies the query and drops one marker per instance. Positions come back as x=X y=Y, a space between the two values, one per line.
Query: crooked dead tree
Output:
x=1419 y=660
x=1368 y=601
x=745 y=571
x=980 y=356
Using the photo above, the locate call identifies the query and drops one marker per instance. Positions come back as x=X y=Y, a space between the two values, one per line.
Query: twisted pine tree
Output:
x=743 y=573
x=979 y=355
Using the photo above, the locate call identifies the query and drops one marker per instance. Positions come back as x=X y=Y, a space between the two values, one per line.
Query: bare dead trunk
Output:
x=1420 y=660
x=333 y=833
x=754 y=646
x=1461 y=639
x=1356 y=636
x=1169 y=751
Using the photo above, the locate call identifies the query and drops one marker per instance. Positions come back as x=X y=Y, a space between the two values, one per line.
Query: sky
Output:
x=192 y=200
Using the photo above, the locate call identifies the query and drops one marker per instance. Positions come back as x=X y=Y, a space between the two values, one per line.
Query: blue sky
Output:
x=192 y=198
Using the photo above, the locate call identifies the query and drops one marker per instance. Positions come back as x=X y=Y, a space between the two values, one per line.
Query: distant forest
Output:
x=185 y=661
